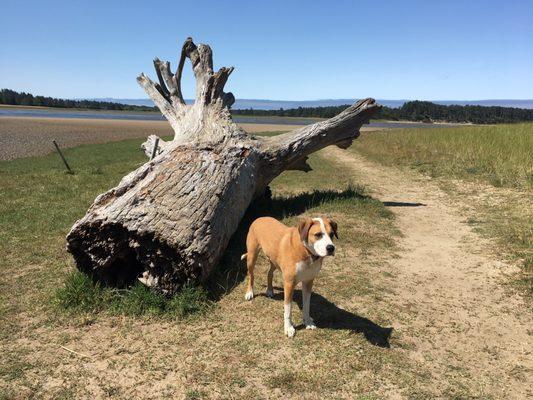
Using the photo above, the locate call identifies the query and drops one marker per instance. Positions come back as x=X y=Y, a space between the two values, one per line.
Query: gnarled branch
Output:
x=287 y=150
x=157 y=94
x=169 y=83
x=167 y=95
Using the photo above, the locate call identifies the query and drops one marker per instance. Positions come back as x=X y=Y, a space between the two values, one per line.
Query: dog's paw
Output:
x=309 y=324
x=249 y=296
x=269 y=293
x=290 y=331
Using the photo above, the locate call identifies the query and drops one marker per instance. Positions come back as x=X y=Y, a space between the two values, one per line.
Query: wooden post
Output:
x=154 y=151
x=62 y=157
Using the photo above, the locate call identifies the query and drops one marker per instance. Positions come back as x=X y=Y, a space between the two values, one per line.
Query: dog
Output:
x=297 y=251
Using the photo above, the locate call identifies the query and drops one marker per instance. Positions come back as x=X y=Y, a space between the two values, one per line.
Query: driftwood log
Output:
x=169 y=221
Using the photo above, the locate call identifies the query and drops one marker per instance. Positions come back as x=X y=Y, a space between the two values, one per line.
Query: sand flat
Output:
x=31 y=136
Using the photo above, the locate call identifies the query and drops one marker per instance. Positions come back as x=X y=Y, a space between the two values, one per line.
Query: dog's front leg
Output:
x=288 y=289
x=307 y=288
x=270 y=276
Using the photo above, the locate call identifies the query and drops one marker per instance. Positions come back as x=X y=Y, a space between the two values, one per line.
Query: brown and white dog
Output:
x=297 y=251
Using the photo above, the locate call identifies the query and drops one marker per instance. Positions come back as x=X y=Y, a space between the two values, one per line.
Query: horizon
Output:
x=267 y=104
x=276 y=104
x=316 y=99
x=406 y=51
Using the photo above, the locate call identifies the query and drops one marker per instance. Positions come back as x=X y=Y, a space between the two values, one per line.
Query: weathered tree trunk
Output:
x=169 y=221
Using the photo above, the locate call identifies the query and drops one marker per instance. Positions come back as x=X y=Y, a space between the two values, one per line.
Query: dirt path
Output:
x=455 y=311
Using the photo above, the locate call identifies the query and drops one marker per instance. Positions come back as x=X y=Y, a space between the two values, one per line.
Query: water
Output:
x=45 y=113
x=148 y=116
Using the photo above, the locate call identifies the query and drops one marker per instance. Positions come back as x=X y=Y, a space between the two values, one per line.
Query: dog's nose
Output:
x=330 y=248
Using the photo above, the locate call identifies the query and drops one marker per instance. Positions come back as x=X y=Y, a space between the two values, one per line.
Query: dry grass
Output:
x=501 y=155
x=505 y=215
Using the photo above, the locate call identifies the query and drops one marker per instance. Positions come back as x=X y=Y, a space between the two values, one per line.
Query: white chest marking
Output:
x=307 y=270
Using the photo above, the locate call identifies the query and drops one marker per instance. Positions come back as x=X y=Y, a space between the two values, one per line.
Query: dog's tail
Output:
x=243 y=257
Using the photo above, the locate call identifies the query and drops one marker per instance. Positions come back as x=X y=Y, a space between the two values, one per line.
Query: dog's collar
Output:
x=314 y=256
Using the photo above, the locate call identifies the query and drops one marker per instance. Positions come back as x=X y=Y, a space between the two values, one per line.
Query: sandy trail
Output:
x=454 y=309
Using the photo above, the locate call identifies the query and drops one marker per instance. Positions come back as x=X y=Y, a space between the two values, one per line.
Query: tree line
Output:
x=12 y=97
x=425 y=111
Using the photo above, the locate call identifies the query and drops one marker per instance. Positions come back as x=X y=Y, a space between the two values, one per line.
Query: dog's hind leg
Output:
x=270 y=276
x=252 y=250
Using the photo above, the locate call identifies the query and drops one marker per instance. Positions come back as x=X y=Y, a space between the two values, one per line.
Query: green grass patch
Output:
x=39 y=202
x=500 y=155
x=81 y=294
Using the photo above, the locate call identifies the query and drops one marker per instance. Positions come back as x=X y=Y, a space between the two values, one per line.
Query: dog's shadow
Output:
x=328 y=315
x=231 y=270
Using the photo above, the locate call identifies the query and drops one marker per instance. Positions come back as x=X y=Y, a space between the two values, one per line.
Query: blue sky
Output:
x=286 y=50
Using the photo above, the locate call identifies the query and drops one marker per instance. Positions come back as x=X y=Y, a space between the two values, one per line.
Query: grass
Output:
x=38 y=204
x=489 y=167
x=501 y=155
x=81 y=294
x=143 y=334
x=231 y=349
x=507 y=217
x=40 y=201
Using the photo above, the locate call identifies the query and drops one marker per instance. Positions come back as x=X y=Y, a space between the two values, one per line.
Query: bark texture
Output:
x=168 y=222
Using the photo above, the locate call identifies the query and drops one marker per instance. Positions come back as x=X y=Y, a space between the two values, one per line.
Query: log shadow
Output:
x=231 y=269
x=328 y=315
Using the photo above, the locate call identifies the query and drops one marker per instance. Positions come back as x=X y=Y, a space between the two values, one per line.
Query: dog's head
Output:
x=317 y=235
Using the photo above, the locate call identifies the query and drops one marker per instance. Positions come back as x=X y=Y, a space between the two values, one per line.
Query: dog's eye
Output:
x=318 y=235
x=331 y=235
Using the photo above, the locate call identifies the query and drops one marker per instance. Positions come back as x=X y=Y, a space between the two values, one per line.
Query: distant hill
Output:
x=12 y=97
x=259 y=104
x=475 y=111
x=424 y=111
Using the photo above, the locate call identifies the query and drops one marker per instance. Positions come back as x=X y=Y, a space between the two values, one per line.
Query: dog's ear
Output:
x=333 y=225
x=303 y=228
